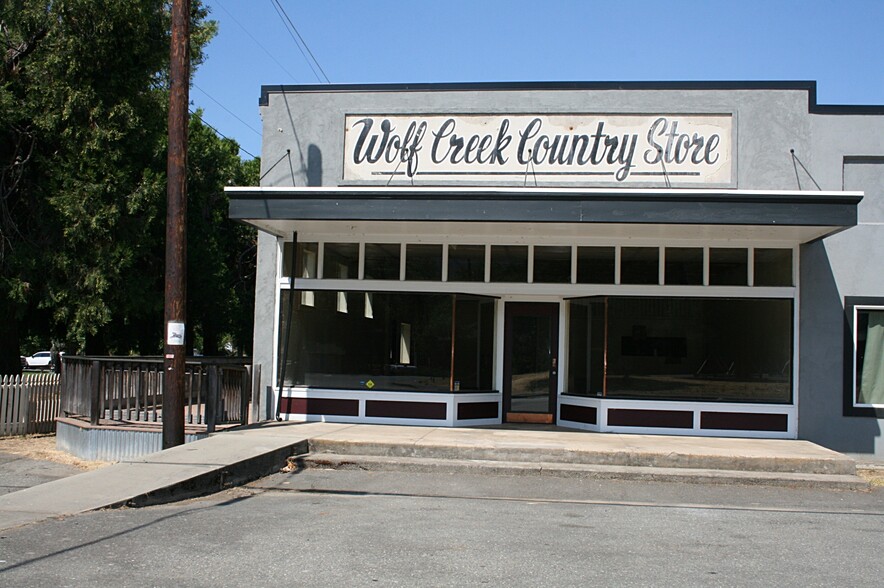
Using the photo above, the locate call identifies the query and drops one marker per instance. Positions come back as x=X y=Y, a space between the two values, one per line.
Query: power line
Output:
x=257 y=42
x=256 y=131
x=222 y=135
x=282 y=16
x=312 y=59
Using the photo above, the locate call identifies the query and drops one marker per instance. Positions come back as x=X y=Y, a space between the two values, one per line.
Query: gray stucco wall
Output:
x=850 y=263
x=265 y=316
x=303 y=143
x=311 y=125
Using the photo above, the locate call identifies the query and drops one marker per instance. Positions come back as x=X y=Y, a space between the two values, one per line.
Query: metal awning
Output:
x=796 y=215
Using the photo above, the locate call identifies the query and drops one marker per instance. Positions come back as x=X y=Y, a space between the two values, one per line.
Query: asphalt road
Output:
x=351 y=528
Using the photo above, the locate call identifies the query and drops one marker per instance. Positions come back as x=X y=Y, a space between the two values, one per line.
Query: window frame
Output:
x=852 y=305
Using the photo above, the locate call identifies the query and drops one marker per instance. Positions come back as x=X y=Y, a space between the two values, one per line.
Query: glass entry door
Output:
x=531 y=340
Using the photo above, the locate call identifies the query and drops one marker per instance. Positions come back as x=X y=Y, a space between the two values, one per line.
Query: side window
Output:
x=864 y=356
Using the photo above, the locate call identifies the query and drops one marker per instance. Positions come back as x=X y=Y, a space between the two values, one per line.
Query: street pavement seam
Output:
x=587 y=502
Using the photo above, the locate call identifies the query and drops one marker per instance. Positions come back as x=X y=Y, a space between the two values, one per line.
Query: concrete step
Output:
x=575 y=470
x=695 y=457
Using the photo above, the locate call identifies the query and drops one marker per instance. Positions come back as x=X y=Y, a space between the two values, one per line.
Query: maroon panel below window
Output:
x=744 y=421
x=578 y=414
x=665 y=419
x=405 y=410
x=329 y=406
x=477 y=410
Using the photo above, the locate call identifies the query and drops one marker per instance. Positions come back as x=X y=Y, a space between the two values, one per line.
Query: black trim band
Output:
x=460 y=205
x=806 y=85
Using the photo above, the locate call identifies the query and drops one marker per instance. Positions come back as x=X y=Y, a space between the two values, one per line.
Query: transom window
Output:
x=544 y=264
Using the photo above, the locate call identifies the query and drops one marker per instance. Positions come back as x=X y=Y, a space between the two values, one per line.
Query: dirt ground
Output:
x=43 y=447
x=875 y=476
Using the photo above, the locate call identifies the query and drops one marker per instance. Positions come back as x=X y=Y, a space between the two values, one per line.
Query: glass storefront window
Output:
x=389 y=341
x=706 y=349
x=552 y=265
x=586 y=350
x=473 y=343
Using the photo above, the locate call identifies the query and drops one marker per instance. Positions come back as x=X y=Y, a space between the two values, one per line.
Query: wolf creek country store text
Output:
x=665 y=258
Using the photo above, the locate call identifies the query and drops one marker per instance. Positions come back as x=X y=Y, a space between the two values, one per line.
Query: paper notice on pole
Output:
x=174 y=333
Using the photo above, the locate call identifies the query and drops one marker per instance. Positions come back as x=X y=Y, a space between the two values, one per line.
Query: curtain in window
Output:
x=871 y=389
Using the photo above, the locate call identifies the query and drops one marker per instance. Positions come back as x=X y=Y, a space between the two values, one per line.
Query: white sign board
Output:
x=548 y=149
x=174 y=333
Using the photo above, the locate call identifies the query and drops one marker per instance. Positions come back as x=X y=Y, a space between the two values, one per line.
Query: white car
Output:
x=39 y=360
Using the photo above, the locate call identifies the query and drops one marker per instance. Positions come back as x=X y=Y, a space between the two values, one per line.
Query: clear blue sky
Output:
x=838 y=43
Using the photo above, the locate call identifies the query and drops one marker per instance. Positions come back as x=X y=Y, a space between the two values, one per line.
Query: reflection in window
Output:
x=869 y=356
x=341 y=302
x=368 y=311
x=404 y=343
x=341 y=261
x=307 y=257
x=308 y=253
x=390 y=341
x=715 y=349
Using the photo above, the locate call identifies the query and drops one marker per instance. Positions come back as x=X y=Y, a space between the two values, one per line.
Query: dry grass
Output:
x=42 y=447
x=874 y=476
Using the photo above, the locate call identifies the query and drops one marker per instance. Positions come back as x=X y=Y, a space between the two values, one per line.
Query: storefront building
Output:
x=672 y=258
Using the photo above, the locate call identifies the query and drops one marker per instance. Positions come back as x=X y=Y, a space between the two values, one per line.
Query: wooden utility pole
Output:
x=176 y=229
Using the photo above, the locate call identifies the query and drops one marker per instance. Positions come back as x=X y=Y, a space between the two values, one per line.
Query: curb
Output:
x=815 y=465
x=577 y=470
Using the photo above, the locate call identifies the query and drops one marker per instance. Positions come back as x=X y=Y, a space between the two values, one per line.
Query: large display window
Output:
x=392 y=341
x=700 y=349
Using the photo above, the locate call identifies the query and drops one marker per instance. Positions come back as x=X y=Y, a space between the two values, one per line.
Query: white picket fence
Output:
x=29 y=403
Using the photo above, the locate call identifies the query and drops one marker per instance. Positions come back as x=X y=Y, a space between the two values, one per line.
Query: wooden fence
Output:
x=29 y=403
x=217 y=390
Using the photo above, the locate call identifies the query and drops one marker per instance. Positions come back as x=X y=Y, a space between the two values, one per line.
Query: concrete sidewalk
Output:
x=236 y=457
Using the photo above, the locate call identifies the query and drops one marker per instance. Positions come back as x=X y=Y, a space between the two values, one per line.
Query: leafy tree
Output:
x=221 y=254
x=83 y=102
